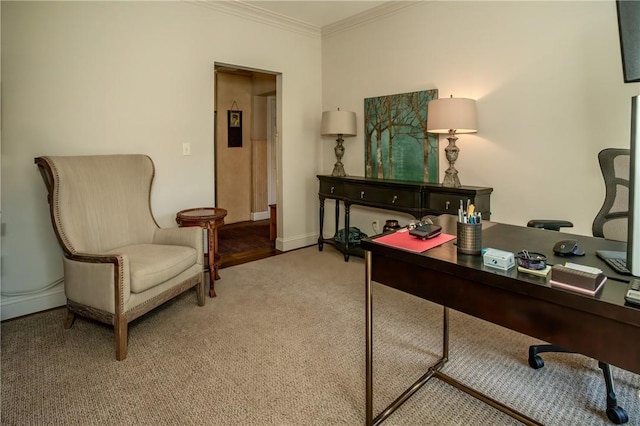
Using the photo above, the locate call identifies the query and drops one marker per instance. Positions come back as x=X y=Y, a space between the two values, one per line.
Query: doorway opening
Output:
x=246 y=163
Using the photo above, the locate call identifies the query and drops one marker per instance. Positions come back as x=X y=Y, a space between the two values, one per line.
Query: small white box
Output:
x=498 y=259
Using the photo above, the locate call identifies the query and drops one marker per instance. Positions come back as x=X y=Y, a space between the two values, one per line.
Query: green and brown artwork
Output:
x=397 y=145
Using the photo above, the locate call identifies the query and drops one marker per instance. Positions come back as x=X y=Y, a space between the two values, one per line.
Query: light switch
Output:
x=186 y=149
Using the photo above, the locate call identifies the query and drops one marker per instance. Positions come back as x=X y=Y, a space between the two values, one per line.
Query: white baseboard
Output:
x=296 y=242
x=260 y=215
x=17 y=306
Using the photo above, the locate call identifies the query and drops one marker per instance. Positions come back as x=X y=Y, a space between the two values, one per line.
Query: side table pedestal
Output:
x=209 y=218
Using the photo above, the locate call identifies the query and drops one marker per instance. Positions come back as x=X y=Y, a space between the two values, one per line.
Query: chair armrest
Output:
x=108 y=275
x=188 y=236
x=550 y=224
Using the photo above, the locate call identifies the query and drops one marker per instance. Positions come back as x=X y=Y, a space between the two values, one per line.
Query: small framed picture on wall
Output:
x=234 y=128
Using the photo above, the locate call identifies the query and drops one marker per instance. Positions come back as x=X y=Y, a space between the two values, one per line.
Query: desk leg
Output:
x=368 y=338
x=445 y=334
x=431 y=372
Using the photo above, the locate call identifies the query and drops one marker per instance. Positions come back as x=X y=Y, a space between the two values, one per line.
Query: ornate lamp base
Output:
x=338 y=168
x=451 y=179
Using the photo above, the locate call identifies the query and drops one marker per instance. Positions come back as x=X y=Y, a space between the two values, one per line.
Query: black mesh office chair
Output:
x=610 y=223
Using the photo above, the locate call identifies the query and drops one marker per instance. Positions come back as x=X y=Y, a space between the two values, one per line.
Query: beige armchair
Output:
x=118 y=263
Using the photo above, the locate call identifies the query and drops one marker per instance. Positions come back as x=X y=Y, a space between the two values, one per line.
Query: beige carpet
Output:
x=283 y=344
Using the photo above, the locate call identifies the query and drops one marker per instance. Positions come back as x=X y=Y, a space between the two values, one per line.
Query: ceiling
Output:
x=317 y=13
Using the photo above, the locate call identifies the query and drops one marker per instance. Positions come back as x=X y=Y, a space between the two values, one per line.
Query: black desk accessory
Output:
x=426 y=230
x=567 y=248
x=582 y=281
x=529 y=260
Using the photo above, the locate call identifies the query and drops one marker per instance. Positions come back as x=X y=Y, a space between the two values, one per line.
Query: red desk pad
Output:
x=402 y=240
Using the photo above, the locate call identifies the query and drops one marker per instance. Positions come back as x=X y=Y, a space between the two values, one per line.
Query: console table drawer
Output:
x=331 y=189
x=388 y=197
x=447 y=203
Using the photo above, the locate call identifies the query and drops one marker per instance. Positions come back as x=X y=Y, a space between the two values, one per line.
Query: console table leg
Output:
x=347 y=208
x=321 y=236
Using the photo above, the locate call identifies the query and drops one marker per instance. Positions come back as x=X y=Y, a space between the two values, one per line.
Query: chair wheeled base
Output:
x=615 y=413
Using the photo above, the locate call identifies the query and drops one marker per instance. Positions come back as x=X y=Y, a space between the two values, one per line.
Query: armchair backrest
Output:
x=99 y=203
x=612 y=220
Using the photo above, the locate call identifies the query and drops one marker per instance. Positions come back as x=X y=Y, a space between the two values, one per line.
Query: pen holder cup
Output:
x=469 y=238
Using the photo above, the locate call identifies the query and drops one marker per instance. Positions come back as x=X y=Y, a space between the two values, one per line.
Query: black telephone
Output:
x=426 y=230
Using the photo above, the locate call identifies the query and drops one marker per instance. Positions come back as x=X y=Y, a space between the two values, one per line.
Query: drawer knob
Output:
x=361 y=194
x=446 y=205
x=395 y=197
x=332 y=188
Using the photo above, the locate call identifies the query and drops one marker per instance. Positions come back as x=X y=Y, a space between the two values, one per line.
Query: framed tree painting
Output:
x=397 y=145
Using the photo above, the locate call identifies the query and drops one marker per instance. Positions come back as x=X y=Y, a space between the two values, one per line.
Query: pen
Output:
x=470 y=211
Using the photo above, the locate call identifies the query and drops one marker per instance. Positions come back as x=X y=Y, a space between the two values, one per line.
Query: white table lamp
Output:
x=338 y=123
x=451 y=116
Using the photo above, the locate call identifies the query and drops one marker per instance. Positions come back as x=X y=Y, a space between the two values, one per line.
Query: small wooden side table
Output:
x=209 y=218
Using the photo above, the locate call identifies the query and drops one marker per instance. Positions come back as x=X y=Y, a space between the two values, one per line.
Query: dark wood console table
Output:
x=415 y=198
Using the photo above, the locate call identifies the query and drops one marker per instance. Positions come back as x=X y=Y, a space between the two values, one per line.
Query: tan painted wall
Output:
x=233 y=165
x=137 y=77
x=242 y=172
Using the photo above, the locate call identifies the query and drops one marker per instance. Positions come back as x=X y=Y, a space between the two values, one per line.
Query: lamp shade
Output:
x=338 y=123
x=457 y=114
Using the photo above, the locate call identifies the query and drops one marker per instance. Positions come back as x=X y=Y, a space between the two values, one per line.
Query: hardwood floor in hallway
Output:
x=244 y=242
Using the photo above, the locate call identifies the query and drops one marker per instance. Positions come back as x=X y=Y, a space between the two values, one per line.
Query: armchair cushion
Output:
x=152 y=264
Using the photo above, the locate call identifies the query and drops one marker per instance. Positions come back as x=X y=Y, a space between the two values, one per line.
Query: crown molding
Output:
x=257 y=14
x=386 y=9
x=267 y=17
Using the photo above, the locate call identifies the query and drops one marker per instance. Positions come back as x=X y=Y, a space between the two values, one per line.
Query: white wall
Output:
x=548 y=81
x=137 y=77
x=121 y=77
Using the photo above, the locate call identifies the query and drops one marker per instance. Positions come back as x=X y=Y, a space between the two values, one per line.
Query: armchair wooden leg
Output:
x=120 y=329
x=68 y=322
x=200 y=291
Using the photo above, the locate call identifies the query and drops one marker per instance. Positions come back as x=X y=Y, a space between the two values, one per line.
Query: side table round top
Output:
x=201 y=214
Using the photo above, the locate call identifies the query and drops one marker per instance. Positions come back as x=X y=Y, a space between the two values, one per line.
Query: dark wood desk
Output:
x=601 y=327
x=418 y=199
